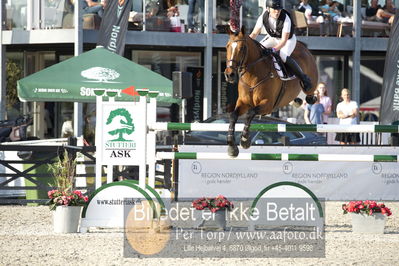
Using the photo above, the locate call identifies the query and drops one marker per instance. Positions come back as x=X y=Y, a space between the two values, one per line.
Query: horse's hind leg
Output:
x=245 y=141
x=232 y=149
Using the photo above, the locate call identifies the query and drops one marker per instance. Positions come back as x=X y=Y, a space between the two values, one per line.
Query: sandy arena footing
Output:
x=27 y=238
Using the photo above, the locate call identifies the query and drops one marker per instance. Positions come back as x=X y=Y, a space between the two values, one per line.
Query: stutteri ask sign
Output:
x=122 y=134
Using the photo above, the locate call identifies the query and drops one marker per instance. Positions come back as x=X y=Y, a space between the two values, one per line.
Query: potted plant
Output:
x=213 y=211
x=66 y=202
x=367 y=216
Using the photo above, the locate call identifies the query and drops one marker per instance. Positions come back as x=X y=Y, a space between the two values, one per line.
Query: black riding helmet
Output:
x=275 y=4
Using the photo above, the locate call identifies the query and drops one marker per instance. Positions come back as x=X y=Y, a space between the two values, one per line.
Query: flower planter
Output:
x=207 y=220
x=66 y=219
x=369 y=224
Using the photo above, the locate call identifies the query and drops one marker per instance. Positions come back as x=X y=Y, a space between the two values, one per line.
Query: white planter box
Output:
x=66 y=219
x=369 y=224
x=208 y=220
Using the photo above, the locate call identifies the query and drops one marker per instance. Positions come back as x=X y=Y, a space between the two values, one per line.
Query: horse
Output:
x=260 y=90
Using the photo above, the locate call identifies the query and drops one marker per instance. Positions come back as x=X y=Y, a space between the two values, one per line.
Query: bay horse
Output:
x=260 y=90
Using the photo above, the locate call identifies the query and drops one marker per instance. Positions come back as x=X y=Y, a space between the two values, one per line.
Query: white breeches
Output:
x=287 y=49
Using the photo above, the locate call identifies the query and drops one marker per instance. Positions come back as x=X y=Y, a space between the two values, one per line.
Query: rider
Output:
x=280 y=37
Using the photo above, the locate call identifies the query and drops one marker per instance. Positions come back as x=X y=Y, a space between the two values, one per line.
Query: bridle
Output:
x=235 y=65
x=241 y=68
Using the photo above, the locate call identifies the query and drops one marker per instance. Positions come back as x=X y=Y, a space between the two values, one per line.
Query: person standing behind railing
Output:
x=325 y=101
x=190 y=14
x=347 y=112
x=314 y=112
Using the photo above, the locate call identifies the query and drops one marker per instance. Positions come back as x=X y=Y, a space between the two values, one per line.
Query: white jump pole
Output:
x=143 y=160
x=99 y=100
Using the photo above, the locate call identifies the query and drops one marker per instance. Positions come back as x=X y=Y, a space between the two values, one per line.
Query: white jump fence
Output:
x=150 y=156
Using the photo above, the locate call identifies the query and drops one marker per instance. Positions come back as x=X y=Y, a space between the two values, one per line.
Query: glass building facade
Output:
x=38 y=34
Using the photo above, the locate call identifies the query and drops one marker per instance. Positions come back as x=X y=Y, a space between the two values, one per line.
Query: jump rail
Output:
x=322 y=128
x=277 y=157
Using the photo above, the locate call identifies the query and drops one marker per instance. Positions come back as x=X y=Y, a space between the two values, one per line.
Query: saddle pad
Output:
x=281 y=70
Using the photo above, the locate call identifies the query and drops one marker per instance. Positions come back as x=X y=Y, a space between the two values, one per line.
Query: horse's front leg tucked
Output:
x=232 y=149
x=245 y=141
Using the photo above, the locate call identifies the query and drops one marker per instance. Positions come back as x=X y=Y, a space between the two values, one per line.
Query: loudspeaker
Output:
x=182 y=87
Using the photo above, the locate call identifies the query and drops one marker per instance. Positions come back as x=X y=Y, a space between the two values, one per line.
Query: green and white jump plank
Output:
x=322 y=128
x=277 y=157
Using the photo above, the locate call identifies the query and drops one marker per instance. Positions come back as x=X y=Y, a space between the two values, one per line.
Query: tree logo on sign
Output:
x=122 y=123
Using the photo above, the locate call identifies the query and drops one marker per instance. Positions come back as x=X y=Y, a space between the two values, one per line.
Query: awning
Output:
x=75 y=79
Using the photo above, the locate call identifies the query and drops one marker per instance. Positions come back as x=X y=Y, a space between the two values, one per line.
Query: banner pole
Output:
x=98 y=141
x=143 y=144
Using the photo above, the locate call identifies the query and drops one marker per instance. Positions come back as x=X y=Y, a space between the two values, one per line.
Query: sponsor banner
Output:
x=195 y=105
x=114 y=25
x=329 y=180
x=122 y=134
x=390 y=85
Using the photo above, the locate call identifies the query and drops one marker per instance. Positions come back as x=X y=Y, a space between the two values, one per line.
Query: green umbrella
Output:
x=77 y=78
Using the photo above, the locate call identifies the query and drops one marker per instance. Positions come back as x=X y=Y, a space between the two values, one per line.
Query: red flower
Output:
x=214 y=204
x=367 y=207
x=66 y=198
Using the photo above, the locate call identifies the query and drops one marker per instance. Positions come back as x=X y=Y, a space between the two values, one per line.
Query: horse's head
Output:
x=236 y=54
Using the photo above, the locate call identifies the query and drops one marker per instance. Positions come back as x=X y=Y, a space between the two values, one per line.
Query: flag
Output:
x=389 y=112
x=114 y=25
x=131 y=91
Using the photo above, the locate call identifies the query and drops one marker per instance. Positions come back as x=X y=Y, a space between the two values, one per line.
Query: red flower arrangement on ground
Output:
x=366 y=207
x=63 y=198
x=213 y=204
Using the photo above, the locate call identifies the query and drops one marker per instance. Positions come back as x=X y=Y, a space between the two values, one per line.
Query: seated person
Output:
x=153 y=8
x=311 y=13
x=331 y=8
x=170 y=8
x=376 y=13
x=389 y=7
x=93 y=7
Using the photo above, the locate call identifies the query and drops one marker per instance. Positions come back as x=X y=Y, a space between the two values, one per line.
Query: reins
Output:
x=242 y=69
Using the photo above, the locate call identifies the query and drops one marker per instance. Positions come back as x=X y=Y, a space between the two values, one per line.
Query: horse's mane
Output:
x=261 y=48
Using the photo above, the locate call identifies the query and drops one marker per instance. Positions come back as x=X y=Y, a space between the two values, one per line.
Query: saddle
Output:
x=282 y=70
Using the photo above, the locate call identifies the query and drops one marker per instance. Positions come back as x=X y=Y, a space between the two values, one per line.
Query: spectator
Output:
x=191 y=11
x=389 y=7
x=347 y=112
x=67 y=127
x=313 y=14
x=169 y=9
x=93 y=7
x=8 y=134
x=331 y=8
x=376 y=13
x=325 y=101
x=314 y=112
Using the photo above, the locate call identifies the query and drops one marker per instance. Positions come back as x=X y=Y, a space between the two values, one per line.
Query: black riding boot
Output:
x=296 y=69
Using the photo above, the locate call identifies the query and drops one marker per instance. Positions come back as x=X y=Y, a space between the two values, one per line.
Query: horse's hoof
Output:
x=310 y=99
x=245 y=143
x=232 y=151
